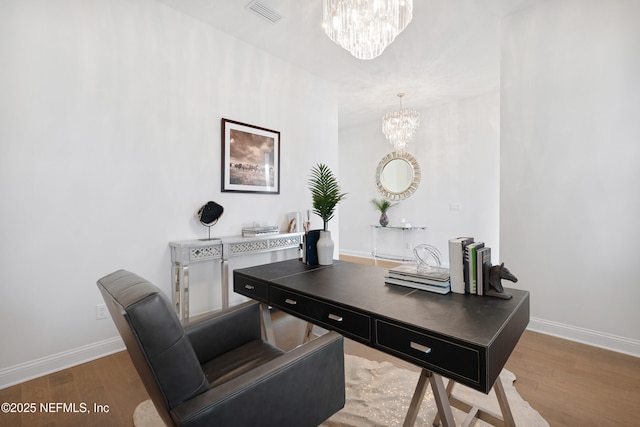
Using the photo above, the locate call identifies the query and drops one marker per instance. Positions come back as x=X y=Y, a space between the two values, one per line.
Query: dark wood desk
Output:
x=466 y=338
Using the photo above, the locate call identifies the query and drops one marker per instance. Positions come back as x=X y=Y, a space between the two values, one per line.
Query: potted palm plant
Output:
x=383 y=205
x=326 y=194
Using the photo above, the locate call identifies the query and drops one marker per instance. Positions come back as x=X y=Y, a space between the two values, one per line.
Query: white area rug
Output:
x=379 y=394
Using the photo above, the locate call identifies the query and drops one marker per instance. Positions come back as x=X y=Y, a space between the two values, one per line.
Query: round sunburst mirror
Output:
x=398 y=175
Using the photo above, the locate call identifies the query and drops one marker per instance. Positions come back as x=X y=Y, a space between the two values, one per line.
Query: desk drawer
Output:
x=251 y=288
x=332 y=316
x=445 y=357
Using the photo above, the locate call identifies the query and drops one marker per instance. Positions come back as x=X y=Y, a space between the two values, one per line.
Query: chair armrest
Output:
x=225 y=330
x=301 y=388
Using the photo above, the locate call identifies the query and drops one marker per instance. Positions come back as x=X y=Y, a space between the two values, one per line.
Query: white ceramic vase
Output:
x=325 y=248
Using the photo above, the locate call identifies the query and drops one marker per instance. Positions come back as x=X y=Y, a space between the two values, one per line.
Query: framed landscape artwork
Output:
x=250 y=158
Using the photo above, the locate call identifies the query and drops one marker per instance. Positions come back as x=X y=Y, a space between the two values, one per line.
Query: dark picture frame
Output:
x=250 y=158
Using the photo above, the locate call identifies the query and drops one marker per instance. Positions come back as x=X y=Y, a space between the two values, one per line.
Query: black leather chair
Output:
x=217 y=371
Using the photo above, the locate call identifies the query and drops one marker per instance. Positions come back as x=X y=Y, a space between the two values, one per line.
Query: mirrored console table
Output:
x=185 y=252
x=396 y=243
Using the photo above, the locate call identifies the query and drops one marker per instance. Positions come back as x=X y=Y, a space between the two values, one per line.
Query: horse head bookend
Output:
x=494 y=285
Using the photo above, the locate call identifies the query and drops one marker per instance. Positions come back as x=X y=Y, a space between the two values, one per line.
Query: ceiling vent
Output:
x=264 y=11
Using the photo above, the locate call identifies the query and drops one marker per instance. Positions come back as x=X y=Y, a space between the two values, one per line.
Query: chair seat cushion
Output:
x=239 y=361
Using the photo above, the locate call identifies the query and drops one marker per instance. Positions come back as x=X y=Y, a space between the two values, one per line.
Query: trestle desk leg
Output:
x=440 y=395
x=450 y=384
x=308 y=332
x=507 y=416
x=267 y=327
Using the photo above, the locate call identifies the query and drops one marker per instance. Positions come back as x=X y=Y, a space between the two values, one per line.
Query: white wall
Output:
x=110 y=141
x=570 y=174
x=567 y=176
x=457 y=148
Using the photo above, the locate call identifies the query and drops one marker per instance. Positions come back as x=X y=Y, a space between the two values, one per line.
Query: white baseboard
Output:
x=357 y=254
x=36 y=368
x=573 y=333
x=586 y=336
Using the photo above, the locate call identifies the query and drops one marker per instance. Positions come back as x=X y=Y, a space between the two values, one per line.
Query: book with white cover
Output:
x=260 y=231
x=445 y=289
x=456 y=263
x=433 y=273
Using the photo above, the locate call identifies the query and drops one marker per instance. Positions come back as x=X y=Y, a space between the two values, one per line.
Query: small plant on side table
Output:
x=383 y=205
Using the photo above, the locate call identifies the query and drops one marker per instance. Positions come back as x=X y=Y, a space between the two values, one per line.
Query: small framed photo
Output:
x=250 y=158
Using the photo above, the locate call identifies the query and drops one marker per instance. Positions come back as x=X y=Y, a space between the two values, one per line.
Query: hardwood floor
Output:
x=570 y=384
x=111 y=382
x=573 y=384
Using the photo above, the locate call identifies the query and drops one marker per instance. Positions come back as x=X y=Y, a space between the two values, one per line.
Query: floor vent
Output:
x=265 y=12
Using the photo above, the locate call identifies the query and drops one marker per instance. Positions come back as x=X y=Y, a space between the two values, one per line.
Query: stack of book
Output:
x=259 y=231
x=469 y=265
x=433 y=279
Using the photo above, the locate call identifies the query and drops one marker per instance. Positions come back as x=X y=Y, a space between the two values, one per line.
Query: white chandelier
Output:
x=366 y=27
x=400 y=126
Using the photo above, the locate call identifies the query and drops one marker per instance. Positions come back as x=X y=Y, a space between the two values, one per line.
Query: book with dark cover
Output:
x=471 y=267
x=484 y=264
x=310 y=242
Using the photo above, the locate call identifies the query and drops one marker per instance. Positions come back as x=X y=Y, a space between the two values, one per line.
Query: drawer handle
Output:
x=420 y=347
x=250 y=287
x=290 y=301
x=335 y=317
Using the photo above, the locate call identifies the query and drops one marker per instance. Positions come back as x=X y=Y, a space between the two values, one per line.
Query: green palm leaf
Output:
x=325 y=192
x=383 y=205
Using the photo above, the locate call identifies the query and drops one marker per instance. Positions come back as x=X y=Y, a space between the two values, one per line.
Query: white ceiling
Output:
x=449 y=51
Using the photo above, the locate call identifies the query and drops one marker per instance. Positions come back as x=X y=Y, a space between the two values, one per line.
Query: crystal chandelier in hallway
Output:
x=400 y=126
